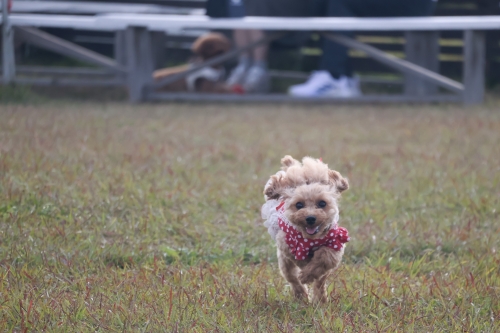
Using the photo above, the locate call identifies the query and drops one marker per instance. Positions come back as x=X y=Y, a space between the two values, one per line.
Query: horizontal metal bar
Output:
x=305 y=76
x=68 y=82
x=380 y=80
x=85 y=7
x=281 y=98
x=288 y=74
x=398 y=64
x=35 y=70
x=160 y=22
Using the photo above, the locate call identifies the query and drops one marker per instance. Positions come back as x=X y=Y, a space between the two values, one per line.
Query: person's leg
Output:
x=241 y=38
x=255 y=72
x=260 y=52
x=257 y=78
x=237 y=75
x=236 y=9
x=334 y=75
x=251 y=71
x=335 y=57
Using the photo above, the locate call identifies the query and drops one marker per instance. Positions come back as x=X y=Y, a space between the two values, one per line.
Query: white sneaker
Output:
x=237 y=75
x=257 y=80
x=322 y=84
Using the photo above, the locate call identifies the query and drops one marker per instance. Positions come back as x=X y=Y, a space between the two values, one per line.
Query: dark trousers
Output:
x=335 y=58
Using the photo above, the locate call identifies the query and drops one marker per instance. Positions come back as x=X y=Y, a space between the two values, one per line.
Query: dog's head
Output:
x=210 y=45
x=311 y=192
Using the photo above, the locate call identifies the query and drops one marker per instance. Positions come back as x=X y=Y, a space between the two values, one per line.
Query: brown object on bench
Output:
x=208 y=79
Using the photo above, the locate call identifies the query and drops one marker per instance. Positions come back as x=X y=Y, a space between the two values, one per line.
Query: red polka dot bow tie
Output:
x=302 y=247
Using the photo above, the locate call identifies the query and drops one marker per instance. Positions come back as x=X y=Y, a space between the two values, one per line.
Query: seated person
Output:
x=251 y=71
x=334 y=77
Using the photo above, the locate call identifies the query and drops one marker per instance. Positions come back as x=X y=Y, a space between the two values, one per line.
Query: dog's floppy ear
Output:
x=275 y=187
x=335 y=179
x=287 y=162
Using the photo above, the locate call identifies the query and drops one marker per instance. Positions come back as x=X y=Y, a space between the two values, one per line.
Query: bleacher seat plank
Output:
x=82 y=7
x=113 y=22
x=281 y=98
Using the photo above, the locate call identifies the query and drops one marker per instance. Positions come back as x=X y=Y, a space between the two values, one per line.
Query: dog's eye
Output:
x=299 y=205
x=321 y=204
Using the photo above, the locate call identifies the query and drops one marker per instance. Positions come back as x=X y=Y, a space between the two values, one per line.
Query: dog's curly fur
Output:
x=308 y=182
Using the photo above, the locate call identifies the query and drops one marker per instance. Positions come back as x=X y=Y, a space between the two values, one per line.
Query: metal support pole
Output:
x=474 y=66
x=422 y=48
x=8 y=65
x=139 y=62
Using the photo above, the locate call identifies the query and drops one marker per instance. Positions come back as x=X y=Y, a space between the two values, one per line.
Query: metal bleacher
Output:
x=94 y=24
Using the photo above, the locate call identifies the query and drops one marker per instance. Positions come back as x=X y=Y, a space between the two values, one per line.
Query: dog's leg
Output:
x=290 y=272
x=324 y=260
x=319 y=289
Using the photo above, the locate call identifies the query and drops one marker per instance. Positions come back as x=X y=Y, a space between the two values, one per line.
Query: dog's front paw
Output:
x=309 y=274
x=306 y=278
x=300 y=292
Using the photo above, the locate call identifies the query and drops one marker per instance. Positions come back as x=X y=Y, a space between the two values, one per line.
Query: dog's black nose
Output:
x=311 y=220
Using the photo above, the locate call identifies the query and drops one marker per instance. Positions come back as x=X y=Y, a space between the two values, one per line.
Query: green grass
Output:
x=12 y=94
x=146 y=218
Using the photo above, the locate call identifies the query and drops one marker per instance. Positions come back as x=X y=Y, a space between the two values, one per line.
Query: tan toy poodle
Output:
x=301 y=213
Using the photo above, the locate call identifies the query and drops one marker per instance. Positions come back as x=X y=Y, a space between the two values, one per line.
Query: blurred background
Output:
x=283 y=54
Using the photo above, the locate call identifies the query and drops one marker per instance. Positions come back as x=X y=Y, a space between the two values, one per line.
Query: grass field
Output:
x=147 y=218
